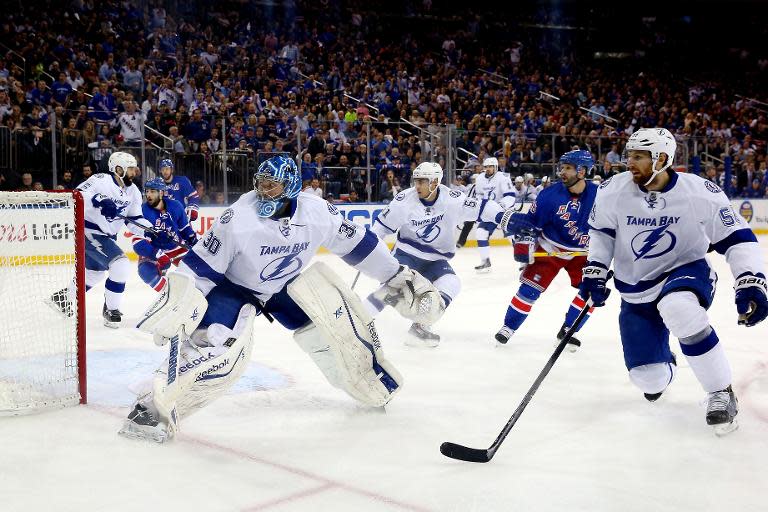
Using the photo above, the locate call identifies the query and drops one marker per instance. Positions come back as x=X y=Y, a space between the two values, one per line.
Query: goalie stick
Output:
x=460 y=452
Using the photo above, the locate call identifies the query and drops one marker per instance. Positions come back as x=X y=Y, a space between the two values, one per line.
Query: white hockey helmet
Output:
x=428 y=170
x=491 y=161
x=122 y=160
x=656 y=141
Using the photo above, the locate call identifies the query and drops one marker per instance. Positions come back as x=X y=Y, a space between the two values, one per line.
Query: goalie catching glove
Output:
x=413 y=296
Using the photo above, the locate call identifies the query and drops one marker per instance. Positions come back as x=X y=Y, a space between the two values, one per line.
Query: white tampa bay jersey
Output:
x=648 y=234
x=102 y=186
x=263 y=254
x=426 y=229
x=496 y=188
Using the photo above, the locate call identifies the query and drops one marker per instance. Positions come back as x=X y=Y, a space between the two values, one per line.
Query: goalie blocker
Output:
x=341 y=339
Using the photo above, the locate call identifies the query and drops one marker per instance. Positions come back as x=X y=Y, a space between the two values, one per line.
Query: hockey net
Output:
x=42 y=349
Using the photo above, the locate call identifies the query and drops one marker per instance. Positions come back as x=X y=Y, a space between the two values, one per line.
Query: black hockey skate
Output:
x=573 y=343
x=61 y=303
x=421 y=336
x=142 y=424
x=722 y=408
x=112 y=317
x=503 y=335
x=484 y=267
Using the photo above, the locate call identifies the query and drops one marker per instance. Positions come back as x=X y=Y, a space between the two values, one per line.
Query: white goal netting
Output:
x=38 y=342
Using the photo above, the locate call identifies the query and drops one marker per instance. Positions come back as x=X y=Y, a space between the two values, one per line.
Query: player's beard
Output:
x=128 y=181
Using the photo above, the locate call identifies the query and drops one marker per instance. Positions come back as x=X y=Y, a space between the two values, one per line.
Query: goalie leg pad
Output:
x=342 y=340
x=179 y=307
x=198 y=370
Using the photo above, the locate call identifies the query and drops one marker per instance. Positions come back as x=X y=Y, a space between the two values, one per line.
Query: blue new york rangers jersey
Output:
x=648 y=234
x=563 y=217
x=181 y=189
x=173 y=220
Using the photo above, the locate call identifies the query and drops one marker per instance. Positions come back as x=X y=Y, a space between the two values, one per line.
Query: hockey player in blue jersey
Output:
x=255 y=259
x=656 y=226
x=556 y=222
x=159 y=248
x=105 y=196
x=180 y=189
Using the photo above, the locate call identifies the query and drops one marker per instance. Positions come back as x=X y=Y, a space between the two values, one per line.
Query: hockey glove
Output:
x=160 y=238
x=107 y=206
x=525 y=246
x=192 y=214
x=163 y=263
x=593 y=283
x=751 y=298
x=513 y=223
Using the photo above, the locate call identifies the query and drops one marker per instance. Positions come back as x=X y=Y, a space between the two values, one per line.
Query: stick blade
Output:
x=459 y=452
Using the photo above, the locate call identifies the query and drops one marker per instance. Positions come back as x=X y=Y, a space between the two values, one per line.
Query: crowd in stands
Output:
x=316 y=78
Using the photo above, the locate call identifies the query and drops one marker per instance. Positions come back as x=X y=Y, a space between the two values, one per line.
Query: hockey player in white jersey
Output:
x=491 y=186
x=255 y=260
x=656 y=226
x=424 y=217
x=104 y=197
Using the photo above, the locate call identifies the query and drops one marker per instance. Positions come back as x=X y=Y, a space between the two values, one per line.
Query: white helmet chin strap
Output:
x=655 y=172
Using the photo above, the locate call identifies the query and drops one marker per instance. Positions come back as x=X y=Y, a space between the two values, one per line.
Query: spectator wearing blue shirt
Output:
x=103 y=107
x=308 y=169
x=755 y=190
x=61 y=90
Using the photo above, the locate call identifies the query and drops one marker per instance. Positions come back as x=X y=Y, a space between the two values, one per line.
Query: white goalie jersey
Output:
x=647 y=234
x=263 y=254
x=426 y=230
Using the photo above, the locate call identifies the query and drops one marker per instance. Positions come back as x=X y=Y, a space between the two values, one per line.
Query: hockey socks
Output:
x=520 y=306
x=706 y=356
x=577 y=303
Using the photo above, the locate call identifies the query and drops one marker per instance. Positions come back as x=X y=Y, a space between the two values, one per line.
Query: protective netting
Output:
x=38 y=342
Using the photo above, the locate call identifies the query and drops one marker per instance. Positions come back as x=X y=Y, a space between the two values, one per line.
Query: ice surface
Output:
x=285 y=440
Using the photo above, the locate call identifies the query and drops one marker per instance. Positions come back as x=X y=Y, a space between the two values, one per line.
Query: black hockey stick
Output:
x=457 y=451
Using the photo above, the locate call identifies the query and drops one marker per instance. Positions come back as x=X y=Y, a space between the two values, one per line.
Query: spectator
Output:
x=756 y=190
x=314 y=187
x=389 y=188
x=205 y=199
x=26 y=183
x=219 y=199
x=308 y=169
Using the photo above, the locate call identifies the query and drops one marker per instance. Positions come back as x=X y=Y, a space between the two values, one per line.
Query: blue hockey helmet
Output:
x=156 y=184
x=578 y=158
x=279 y=169
x=165 y=162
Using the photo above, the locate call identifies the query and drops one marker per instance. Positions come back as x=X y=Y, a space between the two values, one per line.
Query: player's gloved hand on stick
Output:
x=161 y=237
x=163 y=263
x=751 y=298
x=192 y=214
x=513 y=223
x=593 y=283
x=525 y=246
x=107 y=206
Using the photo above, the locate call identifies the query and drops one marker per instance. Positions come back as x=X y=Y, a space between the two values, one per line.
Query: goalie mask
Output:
x=275 y=182
x=656 y=141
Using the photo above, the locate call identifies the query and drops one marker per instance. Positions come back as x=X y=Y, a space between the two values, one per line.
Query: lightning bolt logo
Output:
x=281 y=267
x=653 y=243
